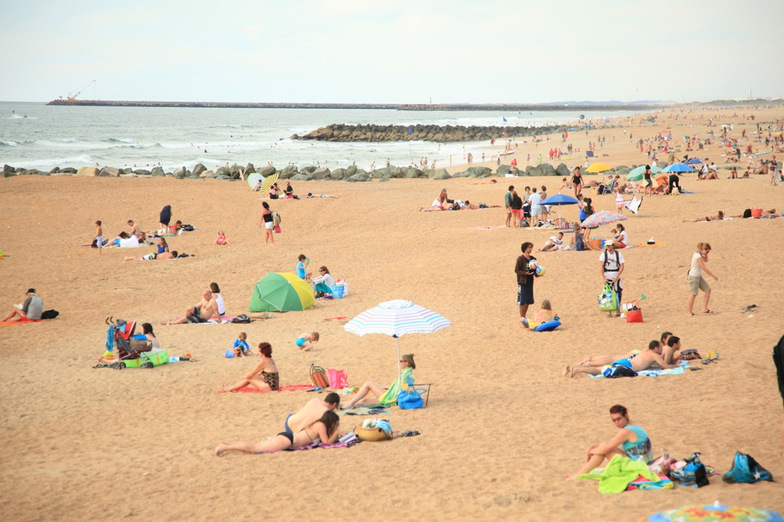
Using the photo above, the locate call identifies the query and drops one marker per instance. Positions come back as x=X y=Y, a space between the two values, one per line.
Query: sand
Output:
x=503 y=426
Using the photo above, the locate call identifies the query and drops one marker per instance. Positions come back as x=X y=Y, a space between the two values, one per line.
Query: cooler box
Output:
x=634 y=316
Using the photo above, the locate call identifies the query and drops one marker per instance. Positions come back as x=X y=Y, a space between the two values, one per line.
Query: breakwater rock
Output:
x=307 y=173
x=436 y=133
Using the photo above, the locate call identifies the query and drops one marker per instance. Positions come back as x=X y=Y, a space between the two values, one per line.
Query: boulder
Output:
x=411 y=173
x=249 y=169
x=235 y=171
x=207 y=174
x=289 y=171
x=309 y=168
x=352 y=169
x=8 y=170
x=338 y=174
x=222 y=172
x=54 y=170
x=395 y=172
x=478 y=172
x=380 y=173
x=87 y=171
x=109 y=172
x=127 y=170
x=503 y=169
x=562 y=170
x=301 y=176
x=320 y=173
x=438 y=174
x=68 y=170
x=360 y=175
x=266 y=170
x=180 y=173
x=156 y=171
x=198 y=169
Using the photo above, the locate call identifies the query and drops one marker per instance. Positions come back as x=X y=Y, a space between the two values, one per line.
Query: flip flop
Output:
x=707 y=311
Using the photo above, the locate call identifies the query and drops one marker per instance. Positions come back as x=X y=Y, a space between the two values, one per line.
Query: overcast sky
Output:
x=401 y=51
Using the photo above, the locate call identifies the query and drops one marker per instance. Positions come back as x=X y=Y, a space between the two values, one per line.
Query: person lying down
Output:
x=154 y=256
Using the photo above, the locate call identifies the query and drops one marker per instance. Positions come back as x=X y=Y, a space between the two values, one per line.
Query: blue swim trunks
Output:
x=300 y=342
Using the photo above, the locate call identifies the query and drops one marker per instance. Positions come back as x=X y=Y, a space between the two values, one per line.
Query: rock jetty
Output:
x=436 y=133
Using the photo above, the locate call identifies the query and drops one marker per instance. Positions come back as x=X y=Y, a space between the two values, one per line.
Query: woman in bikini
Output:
x=323 y=431
x=264 y=376
x=718 y=217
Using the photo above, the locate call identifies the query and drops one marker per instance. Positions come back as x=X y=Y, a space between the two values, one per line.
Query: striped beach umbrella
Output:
x=281 y=292
x=395 y=318
x=603 y=217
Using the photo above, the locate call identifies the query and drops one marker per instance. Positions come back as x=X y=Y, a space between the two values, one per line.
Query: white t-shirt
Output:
x=221 y=304
x=696 y=269
x=611 y=263
x=535 y=200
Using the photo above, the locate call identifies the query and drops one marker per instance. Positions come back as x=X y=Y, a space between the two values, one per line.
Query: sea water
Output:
x=35 y=135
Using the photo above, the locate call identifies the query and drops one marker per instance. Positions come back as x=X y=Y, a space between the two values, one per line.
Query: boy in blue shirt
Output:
x=241 y=348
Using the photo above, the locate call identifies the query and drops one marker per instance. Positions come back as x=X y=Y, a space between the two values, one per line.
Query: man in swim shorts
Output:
x=642 y=361
x=310 y=413
x=202 y=312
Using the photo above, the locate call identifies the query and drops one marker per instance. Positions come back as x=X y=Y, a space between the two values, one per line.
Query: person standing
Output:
x=696 y=281
x=648 y=181
x=516 y=207
x=508 y=204
x=577 y=181
x=525 y=278
x=611 y=265
x=266 y=218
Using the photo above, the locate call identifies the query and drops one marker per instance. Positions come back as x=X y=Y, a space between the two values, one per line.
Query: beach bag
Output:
x=50 y=314
x=690 y=355
x=241 y=319
x=608 y=299
x=275 y=218
x=276 y=228
x=746 y=470
x=693 y=474
x=318 y=376
x=410 y=400
x=337 y=379
x=374 y=430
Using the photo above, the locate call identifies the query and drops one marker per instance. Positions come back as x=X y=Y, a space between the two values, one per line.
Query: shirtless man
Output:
x=642 y=361
x=204 y=310
x=670 y=350
x=136 y=230
x=310 y=413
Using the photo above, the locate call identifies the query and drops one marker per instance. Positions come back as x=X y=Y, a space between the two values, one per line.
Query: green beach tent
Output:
x=281 y=292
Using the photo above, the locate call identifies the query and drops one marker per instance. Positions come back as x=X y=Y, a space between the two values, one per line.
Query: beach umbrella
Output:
x=559 y=199
x=395 y=318
x=715 y=512
x=254 y=178
x=636 y=173
x=268 y=181
x=603 y=217
x=598 y=167
x=281 y=292
x=678 y=167
x=693 y=161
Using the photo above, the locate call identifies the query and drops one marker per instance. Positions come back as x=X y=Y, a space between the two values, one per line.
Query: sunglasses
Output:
x=616 y=419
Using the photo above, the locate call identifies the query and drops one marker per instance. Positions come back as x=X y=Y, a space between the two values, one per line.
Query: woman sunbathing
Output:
x=371 y=393
x=323 y=431
x=718 y=217
x=153 y=256
x=264 y=377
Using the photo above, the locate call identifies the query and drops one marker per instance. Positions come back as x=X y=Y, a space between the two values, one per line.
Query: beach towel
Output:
x=655 y=373
x=390 y=397
x=226 y=319
x=364 y=410
x=619 y=473
x=643 y=483
x=336 y=445
x=287 y=387
x=22 y=321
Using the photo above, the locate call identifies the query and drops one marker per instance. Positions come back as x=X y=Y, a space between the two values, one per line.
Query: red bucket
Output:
x=634 y=316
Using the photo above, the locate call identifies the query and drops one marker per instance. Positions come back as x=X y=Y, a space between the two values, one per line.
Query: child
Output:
x=306 y=340
x=302 y=265
x=221 y=239
x=545 y=314
x=619 y=202
x=241 y=348
x=99 y=237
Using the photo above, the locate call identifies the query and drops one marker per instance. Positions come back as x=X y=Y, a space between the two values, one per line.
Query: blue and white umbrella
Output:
x=395 y=318
x=678 y=167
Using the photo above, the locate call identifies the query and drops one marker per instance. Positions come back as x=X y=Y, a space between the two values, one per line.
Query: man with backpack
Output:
x=611 y=265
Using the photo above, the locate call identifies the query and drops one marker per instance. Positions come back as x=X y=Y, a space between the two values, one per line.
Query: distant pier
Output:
x=505 y=107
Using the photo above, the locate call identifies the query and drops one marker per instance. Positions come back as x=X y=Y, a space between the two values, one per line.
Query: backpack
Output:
x=241 y=319
x=693 y=474
x=607 y=262
x=746 y=470
x=50 y=314
x=318 y=376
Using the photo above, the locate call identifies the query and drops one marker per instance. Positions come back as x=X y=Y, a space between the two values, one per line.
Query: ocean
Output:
x=40 y=136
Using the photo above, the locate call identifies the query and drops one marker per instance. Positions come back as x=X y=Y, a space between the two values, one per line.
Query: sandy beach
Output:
x=502 y=427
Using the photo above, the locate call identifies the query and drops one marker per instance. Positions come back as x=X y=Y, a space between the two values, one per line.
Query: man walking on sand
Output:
x=310 y=413
x=204 y=310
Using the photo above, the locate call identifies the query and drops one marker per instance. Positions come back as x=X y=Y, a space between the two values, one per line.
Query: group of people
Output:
x=210 y=307
x=527 y=210
x=443 y=202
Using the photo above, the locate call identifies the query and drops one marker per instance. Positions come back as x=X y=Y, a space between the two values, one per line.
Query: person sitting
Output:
x=163 y=246
x=221 y=239
x=30 y=310
x=152 y=341
x=371 y=393
x=202 y=312
x=554 y=243
x=305 y=341
x=621 y=238
x=136 y=230
x=264 y=377
x=274 y=191
x=323 y=431
x=578 y=242
x=642 y=361
x=216 y=293
x=322 y=284
x=631 y=441
x=289 y=191
x=543 y=315
x=153 y=256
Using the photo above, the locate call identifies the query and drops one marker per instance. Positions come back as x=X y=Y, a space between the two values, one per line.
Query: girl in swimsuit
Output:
x=221 y=239
x=323 y=431
x=264 y=376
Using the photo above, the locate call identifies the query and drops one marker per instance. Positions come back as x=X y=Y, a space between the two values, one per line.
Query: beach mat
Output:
x=23 y=321
x=655 y=373
x=226 y=319
x=287 y=387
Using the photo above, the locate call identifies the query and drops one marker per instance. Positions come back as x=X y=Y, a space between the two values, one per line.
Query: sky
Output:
x=401 y=51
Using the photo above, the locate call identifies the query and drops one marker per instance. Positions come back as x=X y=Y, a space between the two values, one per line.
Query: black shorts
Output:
x=194 y=319
x=525 y=294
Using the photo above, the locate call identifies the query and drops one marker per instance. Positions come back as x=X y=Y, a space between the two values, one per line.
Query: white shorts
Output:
x=268 y=225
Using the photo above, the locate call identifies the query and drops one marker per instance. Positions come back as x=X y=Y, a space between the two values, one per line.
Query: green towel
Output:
x=390 y=397
x=620 y=471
